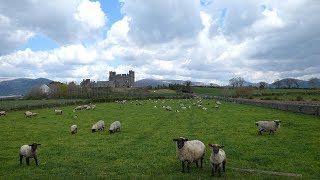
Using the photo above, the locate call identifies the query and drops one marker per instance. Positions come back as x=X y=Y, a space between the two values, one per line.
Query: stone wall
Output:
x=301 y=107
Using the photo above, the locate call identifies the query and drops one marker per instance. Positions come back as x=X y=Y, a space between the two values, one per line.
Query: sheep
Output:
x=218 y=103
x=168 y=108
x=74 y=129
x=2 y=113
x=217 y=159
x=270 y=126
x=189 y=151
x=29 y=151
x=28 y=114
x=98 y=126
x=114 y=127
x=34 y=114
x=78 y=108
x=58 y=111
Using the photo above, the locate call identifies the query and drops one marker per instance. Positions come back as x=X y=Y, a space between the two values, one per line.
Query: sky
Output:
x=209 y=41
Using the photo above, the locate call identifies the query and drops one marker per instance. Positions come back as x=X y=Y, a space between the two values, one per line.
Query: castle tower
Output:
x=131 y=77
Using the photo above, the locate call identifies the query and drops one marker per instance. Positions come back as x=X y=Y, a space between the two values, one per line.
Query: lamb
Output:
x=74 y=129
x=29 y=151
x=270 y=126
x=98 y=126
x=2 y=113
x=217 y=159
x=114 y=127
x=189 y=151
x=58 y=111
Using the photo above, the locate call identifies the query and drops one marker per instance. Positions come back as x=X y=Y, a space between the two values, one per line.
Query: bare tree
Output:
x=236 y=82
x=262 y=85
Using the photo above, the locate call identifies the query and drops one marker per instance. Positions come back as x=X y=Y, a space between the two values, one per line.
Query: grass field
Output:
x=144 y=148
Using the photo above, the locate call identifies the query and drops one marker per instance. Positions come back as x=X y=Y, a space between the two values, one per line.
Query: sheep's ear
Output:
x=210 y=145
x=39 y=144
x=175 y=139
x=30 y=145
x=186 y=139
x=221 y=146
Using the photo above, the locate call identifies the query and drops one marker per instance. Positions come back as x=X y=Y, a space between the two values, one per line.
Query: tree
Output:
x=262 y=85
x=187 y=87
x=236 y=82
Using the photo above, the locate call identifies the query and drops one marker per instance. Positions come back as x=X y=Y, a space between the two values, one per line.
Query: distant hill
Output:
x=20 y=86
x=155 y=82
x=285 y=83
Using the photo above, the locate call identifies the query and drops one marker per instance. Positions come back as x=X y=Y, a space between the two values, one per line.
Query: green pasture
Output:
x=144 y=148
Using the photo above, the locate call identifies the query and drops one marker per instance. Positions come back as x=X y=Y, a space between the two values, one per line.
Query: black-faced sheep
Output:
x=98 y=126
x=58 y=111
x=2 y=113
x=74 y=129
x=29 y=151
x=266 y=126
x=217 y=159
x=114 y=127
x=189 y=151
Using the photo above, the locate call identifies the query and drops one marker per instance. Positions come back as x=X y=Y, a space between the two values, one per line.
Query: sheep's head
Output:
x=34 y=146
x=277 y=122
x=180 y=142
x=215 y=147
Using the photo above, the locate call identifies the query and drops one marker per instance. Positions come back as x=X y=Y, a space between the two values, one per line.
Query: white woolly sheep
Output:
x=168 y=108
x=58 y=111
x=98 y=126
x=28 y=114
x=114 y=127
x=189 y=151
x=266 y=126
x=218 y=103
x=217 y=159
x=74 y=129
x=29 y=151
x=34 y=114
x=2 y=113
x=78 y=108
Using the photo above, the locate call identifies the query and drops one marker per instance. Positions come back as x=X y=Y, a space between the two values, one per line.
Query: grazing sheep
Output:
x=28 y=114
x=78 y=108
x=218 y=103
x=168 y=108
x=114 y=127
x=217 y=159
x=74 y=129
x=183 y=107
x=98 y=126
x=189 y=151
x=2 y=113
x=34 y=114
x=270 y=126
x=29 y=151
x=58 y=111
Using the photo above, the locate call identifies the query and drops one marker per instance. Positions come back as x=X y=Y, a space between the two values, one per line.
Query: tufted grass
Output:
x=144 y=148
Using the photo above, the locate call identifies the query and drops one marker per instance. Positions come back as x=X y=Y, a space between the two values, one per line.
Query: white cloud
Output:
x=63 y=21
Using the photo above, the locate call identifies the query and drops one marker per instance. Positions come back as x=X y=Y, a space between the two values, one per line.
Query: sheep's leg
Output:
x=201 y=162
x=35 y=158
x=188 y=166
x=224 y=166
x=219 y=171
x=260 y=132
x=197 y=164
x=212 y=170
x=21 y=159
x=270 y=132
x=183 y=166
x=27 y=160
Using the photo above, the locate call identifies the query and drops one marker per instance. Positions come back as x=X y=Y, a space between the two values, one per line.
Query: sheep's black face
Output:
x=34 y=146
x=94 y=130
x=180 y=142
x=215 y=149
x=277 y=122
